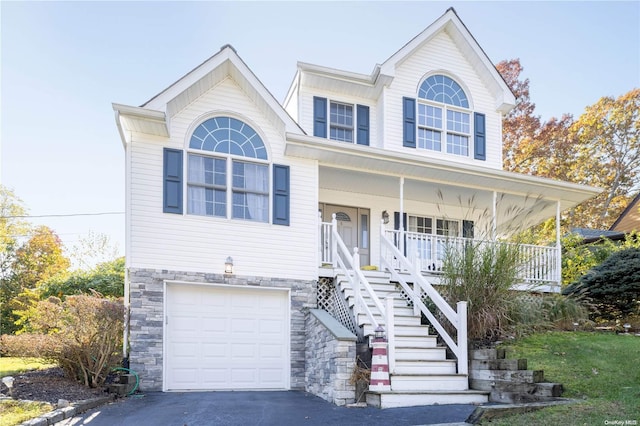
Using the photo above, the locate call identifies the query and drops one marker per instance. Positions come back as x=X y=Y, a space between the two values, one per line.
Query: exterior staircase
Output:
x=422 y=374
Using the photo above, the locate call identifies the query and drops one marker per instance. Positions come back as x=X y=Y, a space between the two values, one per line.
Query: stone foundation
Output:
x=147 y=311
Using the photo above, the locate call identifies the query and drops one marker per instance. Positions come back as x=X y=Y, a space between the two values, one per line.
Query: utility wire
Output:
x=60 y=215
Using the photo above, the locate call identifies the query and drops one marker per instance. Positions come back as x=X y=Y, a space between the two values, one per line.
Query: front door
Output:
x=353 y=227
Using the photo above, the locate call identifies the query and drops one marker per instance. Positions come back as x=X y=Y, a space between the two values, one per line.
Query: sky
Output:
x=64 y=63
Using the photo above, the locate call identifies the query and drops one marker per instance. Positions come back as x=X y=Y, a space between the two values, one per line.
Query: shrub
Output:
x=613 y=287
x=82 y=334
x=106 y=278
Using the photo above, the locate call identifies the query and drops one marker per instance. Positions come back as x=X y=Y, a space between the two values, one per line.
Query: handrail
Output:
x=353 y=264
x=539 y=264
x=457 y=319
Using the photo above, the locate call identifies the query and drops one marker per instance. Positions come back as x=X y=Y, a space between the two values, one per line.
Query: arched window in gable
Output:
x=228 y=172
x=443 y=116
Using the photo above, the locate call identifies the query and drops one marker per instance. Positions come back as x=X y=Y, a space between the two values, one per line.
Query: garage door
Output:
x=226 y=338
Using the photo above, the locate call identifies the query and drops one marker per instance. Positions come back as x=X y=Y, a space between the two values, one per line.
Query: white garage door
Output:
x=226 y=338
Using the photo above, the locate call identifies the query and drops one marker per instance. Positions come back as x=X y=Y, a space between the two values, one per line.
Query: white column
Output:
x=494 y=208
x=558 y=247
x=401 y=218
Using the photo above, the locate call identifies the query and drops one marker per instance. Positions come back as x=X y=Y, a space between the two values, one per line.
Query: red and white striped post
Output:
x=380 y=363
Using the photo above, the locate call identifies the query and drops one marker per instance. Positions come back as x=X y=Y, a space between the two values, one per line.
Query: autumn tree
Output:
x=608 y=134
x=39 y=259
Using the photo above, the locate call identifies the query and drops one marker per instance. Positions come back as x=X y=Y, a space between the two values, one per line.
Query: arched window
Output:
x=443 y=109
x=232 y=172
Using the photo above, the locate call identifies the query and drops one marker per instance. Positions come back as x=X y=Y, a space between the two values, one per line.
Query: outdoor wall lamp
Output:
x=385 y=217
x=228 y=266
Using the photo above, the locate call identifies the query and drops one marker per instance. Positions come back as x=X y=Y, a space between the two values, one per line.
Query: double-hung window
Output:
x=228 y=173
x=443 y=116
x=341 y=122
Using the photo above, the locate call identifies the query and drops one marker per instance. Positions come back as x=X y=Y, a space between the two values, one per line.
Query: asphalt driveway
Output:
x=256 y=408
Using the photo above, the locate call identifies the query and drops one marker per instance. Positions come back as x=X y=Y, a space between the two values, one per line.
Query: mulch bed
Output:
x=49 y=385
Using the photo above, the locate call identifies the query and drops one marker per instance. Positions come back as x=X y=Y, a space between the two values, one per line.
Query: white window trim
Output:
x=229 y=158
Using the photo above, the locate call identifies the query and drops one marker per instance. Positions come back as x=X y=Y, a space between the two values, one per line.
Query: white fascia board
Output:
x=373 y=82
x=380 y=161
x=155 y=119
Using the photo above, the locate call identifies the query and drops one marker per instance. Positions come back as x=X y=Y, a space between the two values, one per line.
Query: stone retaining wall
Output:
x=147 y=310
x=331 y=354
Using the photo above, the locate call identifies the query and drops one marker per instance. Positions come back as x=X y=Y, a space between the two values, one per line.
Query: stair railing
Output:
x=457 y=319
x=349 y=265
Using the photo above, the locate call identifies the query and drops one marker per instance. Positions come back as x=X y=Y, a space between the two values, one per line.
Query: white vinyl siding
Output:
x=441 y=55
x=196 y=243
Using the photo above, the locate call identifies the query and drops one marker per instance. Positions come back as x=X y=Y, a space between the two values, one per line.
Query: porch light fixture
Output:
x=385 y=217
x=228 y=266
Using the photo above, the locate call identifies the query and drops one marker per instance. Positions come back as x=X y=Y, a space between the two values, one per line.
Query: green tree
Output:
x=106 y=278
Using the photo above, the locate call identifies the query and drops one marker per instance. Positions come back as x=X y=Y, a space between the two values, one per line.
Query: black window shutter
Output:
x=409 y=122
x=320 y=117
x=467 y=229
x=172 y=186
x=480 y=141
x=363 y=124
x=281 y=195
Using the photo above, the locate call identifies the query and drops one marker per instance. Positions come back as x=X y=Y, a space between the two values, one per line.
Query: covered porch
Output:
x=422 y=204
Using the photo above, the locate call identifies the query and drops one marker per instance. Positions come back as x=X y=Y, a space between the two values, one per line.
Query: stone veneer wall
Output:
x=331 y=357
x=147 y=310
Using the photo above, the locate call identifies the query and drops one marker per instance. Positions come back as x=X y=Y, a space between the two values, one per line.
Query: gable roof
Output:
x=629 y=219
x=195 y=83
x=451 y=23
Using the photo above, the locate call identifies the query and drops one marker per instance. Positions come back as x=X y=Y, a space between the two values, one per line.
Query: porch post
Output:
x=334 y=241
x=494 y=224
x=401 y=227
x=558 y=247
x=320 y=239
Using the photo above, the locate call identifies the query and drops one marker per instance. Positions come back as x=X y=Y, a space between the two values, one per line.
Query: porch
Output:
x=539 y=267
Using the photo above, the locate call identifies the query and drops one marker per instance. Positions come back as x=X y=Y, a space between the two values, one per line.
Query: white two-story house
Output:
x=242 y=216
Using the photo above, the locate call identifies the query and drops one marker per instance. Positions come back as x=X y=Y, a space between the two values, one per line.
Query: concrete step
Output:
x=421 y=354
x=426 y=368
x=396 y=399
x=427 y=382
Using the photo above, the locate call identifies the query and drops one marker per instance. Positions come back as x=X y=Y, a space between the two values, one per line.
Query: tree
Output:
x=608 y=134
x=613 y=287
x=91 y=250
x=38 y=260
x=106 y=278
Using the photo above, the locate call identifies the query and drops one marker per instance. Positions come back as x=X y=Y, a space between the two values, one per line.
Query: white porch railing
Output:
x=538 y=264
x=413 y=274
x=348 y=264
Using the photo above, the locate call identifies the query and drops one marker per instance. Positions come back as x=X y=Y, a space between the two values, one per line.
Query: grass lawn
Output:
x=10 y=365
x=600 y=369
x=15 y=412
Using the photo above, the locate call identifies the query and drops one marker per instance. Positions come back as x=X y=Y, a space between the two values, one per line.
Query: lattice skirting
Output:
x=332 y=300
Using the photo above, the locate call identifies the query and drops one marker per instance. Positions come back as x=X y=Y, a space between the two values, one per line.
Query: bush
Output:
x=483 y=275
x=106 y=278
x=613 y=287
x=82 y=334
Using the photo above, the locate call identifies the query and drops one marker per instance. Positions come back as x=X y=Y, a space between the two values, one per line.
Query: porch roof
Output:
x=363 y=164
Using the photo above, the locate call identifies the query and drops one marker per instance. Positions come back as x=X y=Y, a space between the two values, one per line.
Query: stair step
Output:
x=427 y=382
x=398 y=320
x=421 y=354
x=426 y=367
x=415 y=341
x=396 y=399
x=403 y=330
